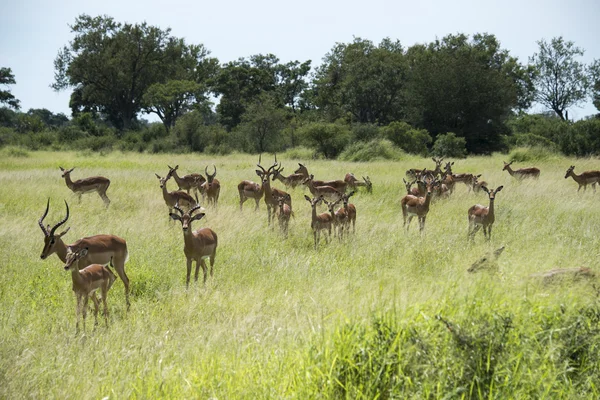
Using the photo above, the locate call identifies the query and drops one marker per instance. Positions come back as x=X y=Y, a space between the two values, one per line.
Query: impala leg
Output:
x=421 y=223
x=490 y=232
x=78 y=311
x=120 y=268
x=316 y=237
x=410 y=217
x=84 y=310
x=474 y=231
x=257 y=201
x=79 y=197
x=104 y=304
x=189 y=272
x=96 y=307
x=204 y=269
x=198 y=262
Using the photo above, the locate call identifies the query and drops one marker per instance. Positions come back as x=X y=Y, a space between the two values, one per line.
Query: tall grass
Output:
x=384 y=313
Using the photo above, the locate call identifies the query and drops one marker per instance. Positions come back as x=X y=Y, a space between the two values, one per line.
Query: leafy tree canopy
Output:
x=6 y=97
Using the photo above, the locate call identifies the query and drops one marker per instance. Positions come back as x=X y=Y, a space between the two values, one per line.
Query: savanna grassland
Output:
x=355 y=319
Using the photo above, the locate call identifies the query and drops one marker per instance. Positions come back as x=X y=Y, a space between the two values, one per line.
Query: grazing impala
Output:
x=270 y=201
x=319 y=222
x=292 y=180
x=328 y=192
x=585 y=178
x=211 y=188
x=86 y=282
x=481 y=216
x=175 y=197
x=523 y=172
x=284 y=213
x=197 y=245
x=187 y=182
x=417 y=206
x=98 y=184
x=101 y=249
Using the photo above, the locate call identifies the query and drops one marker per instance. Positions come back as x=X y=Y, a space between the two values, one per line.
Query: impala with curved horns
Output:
x=291 y=180
x=101 y=249
x=98 y=184
x=211 y=188
x=270 y=200
x=197 y=245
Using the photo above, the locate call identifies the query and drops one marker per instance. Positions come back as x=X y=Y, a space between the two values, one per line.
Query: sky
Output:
x=33 y=31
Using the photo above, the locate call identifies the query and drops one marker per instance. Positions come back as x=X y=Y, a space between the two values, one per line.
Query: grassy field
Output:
x=355 y=319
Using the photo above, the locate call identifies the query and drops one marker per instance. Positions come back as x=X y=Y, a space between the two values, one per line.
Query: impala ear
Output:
x=62 y=169
x=485 y=189
x=307 y=198
x=175 y=217
x=197 y=217
x=499 y=189
x=83 y=252
x=259 y=173
x=64 y=232
x=157 y=175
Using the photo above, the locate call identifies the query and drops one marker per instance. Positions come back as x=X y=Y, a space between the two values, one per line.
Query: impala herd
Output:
x=88 y=258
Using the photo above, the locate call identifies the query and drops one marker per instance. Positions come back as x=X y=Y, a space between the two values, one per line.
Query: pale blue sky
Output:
x=32 y=32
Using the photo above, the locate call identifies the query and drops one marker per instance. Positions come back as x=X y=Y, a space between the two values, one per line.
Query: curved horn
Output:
x=176 y=206
x=41 y=220
x=196 y=207
x=55 y=227
x=215 y=174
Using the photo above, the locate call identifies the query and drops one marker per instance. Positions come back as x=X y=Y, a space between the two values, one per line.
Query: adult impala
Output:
x=86 y=282
x=354 y=183
x=413 y=206
x=187 y=182
x=291 y=180
x=98 y=184
x=328 y=192
x=211 y=188
x=522 y=173
x=584 y=179
x=284 y=213
x=175 y=197
x=481 y=216
x=101 y=249
x=197 y=245
x=270 y=200
x=319 y=222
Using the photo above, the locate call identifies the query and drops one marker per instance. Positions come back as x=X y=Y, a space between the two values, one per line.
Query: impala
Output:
x=270 y=201
x=250 y=190
x=347 y=214
x=292 y=180
x=523 y=172
x=481 y=216
x=98 y=184
x=354 y=183
x=467 y=179
x=101 y=249
x=328 y=192
x=438 y=166
x=187 y=182
x=86 y=282
x=211 y=188
x=489 y=262
x=175 y=197
x=197 y=245
x=284 y=213
x=417 y=206
x=338 y=185
x=302 y=170
x=477 y=184
x=338 y=220
x=319 y=222
x=584 y=178
x=411 y=190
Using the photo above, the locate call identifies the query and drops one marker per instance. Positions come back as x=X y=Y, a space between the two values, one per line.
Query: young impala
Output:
x=329 y=193
x=354 y=183
x=417 y=206
x=481 y=216
x=187 y=182
x=100 y=249
x=211 y=188
x=523 y=172
x=197 y=245
x=319 y=222
x=175 y=197
x=86 y=282
x=291 y=181
x=284 y=213
x=585 y=178
x=98 y=184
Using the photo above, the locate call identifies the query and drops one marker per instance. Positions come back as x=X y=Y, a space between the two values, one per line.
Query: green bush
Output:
x=300 y=153
x=374 y=150
x=95 y=143
x=70 y=133
x=582 y=139
x=449 y=145
x=15 y=152
x=365 y=132
x=536 y=153
x=326 y=138
x=414 y=141
x=531 y=140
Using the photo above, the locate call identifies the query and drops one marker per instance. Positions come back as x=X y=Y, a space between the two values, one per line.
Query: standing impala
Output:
x=292 y=180
x=197 y=245
x=284 y=213
x=270 y=201
x=187 y=182
x=328 y=192
x=350 y=211
x=417 y=206
x=523 y=172
x=98 y=184
x=175 y=197
x=319 y=222
x=480 y=216
x=354 y=183
x=250 y=190
x=101 y=249
x=584 y=178
x=86 y=282
x=211 y=188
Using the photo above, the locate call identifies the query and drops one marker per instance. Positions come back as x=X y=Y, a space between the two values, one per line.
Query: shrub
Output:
x=536 y=153
x=414 y=141
x=300 y=153
x=531 y=140
x=95 y=143
x=327 y=138
x=70 y=133
x=374 y=150
x=582 y=138
x=15 y=152
x=365 y=132
x=449 y=145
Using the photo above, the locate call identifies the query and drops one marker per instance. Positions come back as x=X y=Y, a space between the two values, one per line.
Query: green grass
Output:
x=355 y=319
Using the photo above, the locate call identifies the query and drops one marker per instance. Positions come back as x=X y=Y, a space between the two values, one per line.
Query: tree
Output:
x=110 y=66
x=328 y=139
x=469 y=86
x=6 y=97
x=594 y=72
x=262 y=124
x=362 y=81
x=172 y=99
x=561 y=81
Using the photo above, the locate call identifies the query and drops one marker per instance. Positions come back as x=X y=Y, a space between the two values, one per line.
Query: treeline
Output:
x=454 y=96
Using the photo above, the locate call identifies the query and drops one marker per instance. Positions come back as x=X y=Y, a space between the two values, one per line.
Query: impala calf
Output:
x=187 y=182
x=98 y=184
x=354 y=183
x=481 y=216
x=197 y=245
x=100 y=249
x=319 y=222
x=328 y=192
x=585 y=178
x=86 y=282
x=523 y=172
x=284 y=213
